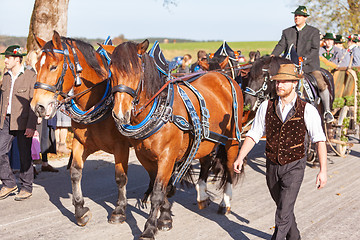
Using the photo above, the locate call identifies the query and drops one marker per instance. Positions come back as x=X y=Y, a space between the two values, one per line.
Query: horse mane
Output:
x=126 y=60
x=86 y=49
x=272 y=64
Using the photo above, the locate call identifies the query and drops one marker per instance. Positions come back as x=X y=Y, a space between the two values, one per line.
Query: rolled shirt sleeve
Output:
x=313 y=124
x=258 y=126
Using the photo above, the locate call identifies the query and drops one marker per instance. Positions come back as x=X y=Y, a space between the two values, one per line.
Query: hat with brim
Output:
x=330 y=36
x=339 y=39
x=301 y=10
x=14 y=50
x=287 y=72
x=354 y=38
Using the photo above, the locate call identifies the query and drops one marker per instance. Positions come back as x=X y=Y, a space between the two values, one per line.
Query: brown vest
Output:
x=285 y=141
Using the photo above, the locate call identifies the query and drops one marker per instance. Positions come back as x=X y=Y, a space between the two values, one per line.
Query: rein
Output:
x=139 y=110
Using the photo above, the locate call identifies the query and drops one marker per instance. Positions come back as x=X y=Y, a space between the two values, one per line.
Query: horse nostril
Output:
x=116 y=118
x=40 y=109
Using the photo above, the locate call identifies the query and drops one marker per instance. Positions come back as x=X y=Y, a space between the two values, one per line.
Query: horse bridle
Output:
x=261 y=92
x=121 y=88
x=75 y=70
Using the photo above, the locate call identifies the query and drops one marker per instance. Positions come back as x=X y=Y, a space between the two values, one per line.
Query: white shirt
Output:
x=13 y=78
x=311 y=117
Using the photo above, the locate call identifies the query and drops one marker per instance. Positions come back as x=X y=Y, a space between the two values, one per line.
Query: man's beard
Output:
x=284 y=93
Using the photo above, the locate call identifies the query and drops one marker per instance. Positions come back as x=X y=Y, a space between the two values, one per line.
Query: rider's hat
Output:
x=287 y=72
x=14 y=50
x=301 y=10
x=339 y=39
x=331 y=36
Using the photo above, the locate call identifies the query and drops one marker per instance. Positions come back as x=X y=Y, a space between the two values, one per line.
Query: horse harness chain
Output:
x=94 y=114
x=161 y=112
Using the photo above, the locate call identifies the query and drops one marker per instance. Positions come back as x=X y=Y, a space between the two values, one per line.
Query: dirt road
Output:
x=330 y=213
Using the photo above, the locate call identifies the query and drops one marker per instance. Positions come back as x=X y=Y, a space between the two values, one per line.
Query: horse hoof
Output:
x=224 y=210
x=84 y=219
x=204 y=204
x=146 y=238
x=117 y=218
x=165 y=225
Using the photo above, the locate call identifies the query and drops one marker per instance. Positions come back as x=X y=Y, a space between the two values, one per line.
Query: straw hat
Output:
x=287 y=72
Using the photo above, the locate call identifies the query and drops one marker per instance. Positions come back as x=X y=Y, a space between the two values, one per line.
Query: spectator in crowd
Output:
x=331 y=52
x=286 y=121
x=306 y=41
x=62 y=126
x=46 y=131
x=17 y=119
x=339 y=41
x=201 y=55
x=352 y=53
x=184 y=68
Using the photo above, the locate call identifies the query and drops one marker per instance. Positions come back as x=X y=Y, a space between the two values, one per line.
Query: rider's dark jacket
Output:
x=307 y=43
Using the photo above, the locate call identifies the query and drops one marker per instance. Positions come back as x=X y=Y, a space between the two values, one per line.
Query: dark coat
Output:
x=308 y=45
x=22 y=116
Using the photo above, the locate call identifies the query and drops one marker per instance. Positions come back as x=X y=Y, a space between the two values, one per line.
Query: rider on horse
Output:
x=306 y=41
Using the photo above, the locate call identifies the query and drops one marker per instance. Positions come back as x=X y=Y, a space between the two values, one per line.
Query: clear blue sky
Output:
x=231 y=20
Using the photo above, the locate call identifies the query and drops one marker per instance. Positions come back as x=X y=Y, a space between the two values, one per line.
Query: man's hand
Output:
x=321 y=179
x=238 y=165
x=29 y=132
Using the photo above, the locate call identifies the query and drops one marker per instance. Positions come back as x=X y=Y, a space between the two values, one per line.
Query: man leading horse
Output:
x=306 y=41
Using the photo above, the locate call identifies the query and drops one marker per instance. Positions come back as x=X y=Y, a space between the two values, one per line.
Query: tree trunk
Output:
x=47 y=16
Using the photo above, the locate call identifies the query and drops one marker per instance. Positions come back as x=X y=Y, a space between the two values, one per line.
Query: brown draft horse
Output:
x=55 y=79
x=136 y=79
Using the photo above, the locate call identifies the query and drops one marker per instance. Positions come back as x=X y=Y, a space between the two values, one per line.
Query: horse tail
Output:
x=221 y=171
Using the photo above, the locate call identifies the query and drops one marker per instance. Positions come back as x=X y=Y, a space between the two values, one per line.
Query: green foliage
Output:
x=338 y=103
x=325 y=15
x=247 y=108
x=346 y=122
x=349 y=100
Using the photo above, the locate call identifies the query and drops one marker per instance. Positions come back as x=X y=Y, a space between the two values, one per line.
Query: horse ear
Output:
x=108 y=48
x=39 y=41
x=204 y=65
x=142 y=47
x=224 y=63
x=56 y=40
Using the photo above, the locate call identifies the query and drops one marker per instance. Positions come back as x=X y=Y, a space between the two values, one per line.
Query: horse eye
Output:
x=53 y=68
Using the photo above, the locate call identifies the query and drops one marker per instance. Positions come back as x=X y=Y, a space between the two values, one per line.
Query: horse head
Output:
x=215 y=63
x=59 y=70
x=134 y=78
x=259 y=85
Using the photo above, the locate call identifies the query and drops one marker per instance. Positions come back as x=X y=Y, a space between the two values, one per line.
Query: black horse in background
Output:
x=260 y=87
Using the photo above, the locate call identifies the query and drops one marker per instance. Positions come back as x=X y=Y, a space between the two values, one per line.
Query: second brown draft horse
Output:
x=135 y=80
x=68 y=64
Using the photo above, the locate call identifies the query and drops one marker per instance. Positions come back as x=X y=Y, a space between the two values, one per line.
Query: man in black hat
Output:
x=285 y=121
x=16 y=119
x=306 y=41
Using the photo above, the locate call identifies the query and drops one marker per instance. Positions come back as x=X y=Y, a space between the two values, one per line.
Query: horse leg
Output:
x=82 y=214
x=157 y=201
x=121 y=166
x=231 y=152
x=164 y=223
x=203 y=198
